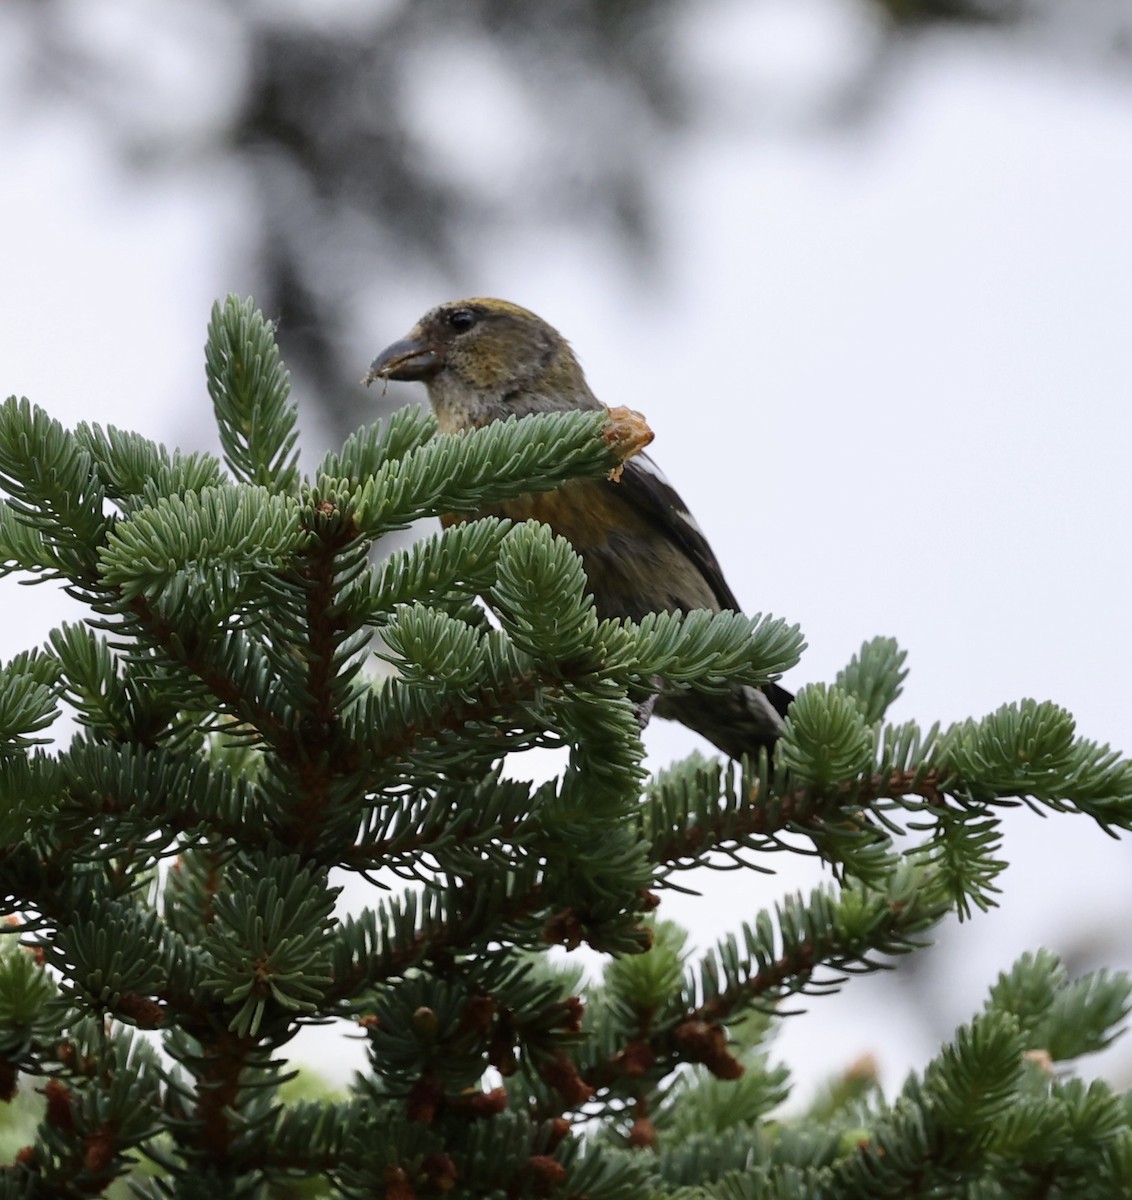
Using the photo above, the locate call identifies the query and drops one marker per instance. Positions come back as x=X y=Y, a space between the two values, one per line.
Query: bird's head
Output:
x=483 y=360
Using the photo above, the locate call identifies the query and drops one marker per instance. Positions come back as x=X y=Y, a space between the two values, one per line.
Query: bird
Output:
x=484 y=360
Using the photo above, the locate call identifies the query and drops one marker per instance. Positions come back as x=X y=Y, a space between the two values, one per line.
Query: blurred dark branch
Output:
x=385 y=145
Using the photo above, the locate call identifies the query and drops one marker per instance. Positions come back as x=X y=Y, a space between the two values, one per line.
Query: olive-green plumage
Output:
x=483 y=360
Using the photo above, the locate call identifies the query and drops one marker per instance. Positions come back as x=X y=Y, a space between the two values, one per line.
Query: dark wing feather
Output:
x=734 y=722
x=646 y=490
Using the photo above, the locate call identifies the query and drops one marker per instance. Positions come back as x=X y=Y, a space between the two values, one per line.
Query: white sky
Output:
x=888 y=368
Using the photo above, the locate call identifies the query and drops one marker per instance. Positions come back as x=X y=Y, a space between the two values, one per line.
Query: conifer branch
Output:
x=227 y=723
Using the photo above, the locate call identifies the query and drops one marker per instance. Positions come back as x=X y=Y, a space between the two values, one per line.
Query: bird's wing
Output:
x=645 y=489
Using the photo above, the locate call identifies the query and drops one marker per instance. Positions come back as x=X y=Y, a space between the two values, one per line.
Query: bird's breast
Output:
x=632 y=567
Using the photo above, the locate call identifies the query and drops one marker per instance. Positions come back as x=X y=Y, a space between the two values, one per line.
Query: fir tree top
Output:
x=170 y=870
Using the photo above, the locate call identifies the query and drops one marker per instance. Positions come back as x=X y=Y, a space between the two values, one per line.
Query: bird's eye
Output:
x=460 y=319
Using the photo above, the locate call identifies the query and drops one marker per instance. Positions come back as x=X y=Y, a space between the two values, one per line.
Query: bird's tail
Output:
x=740 y=721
